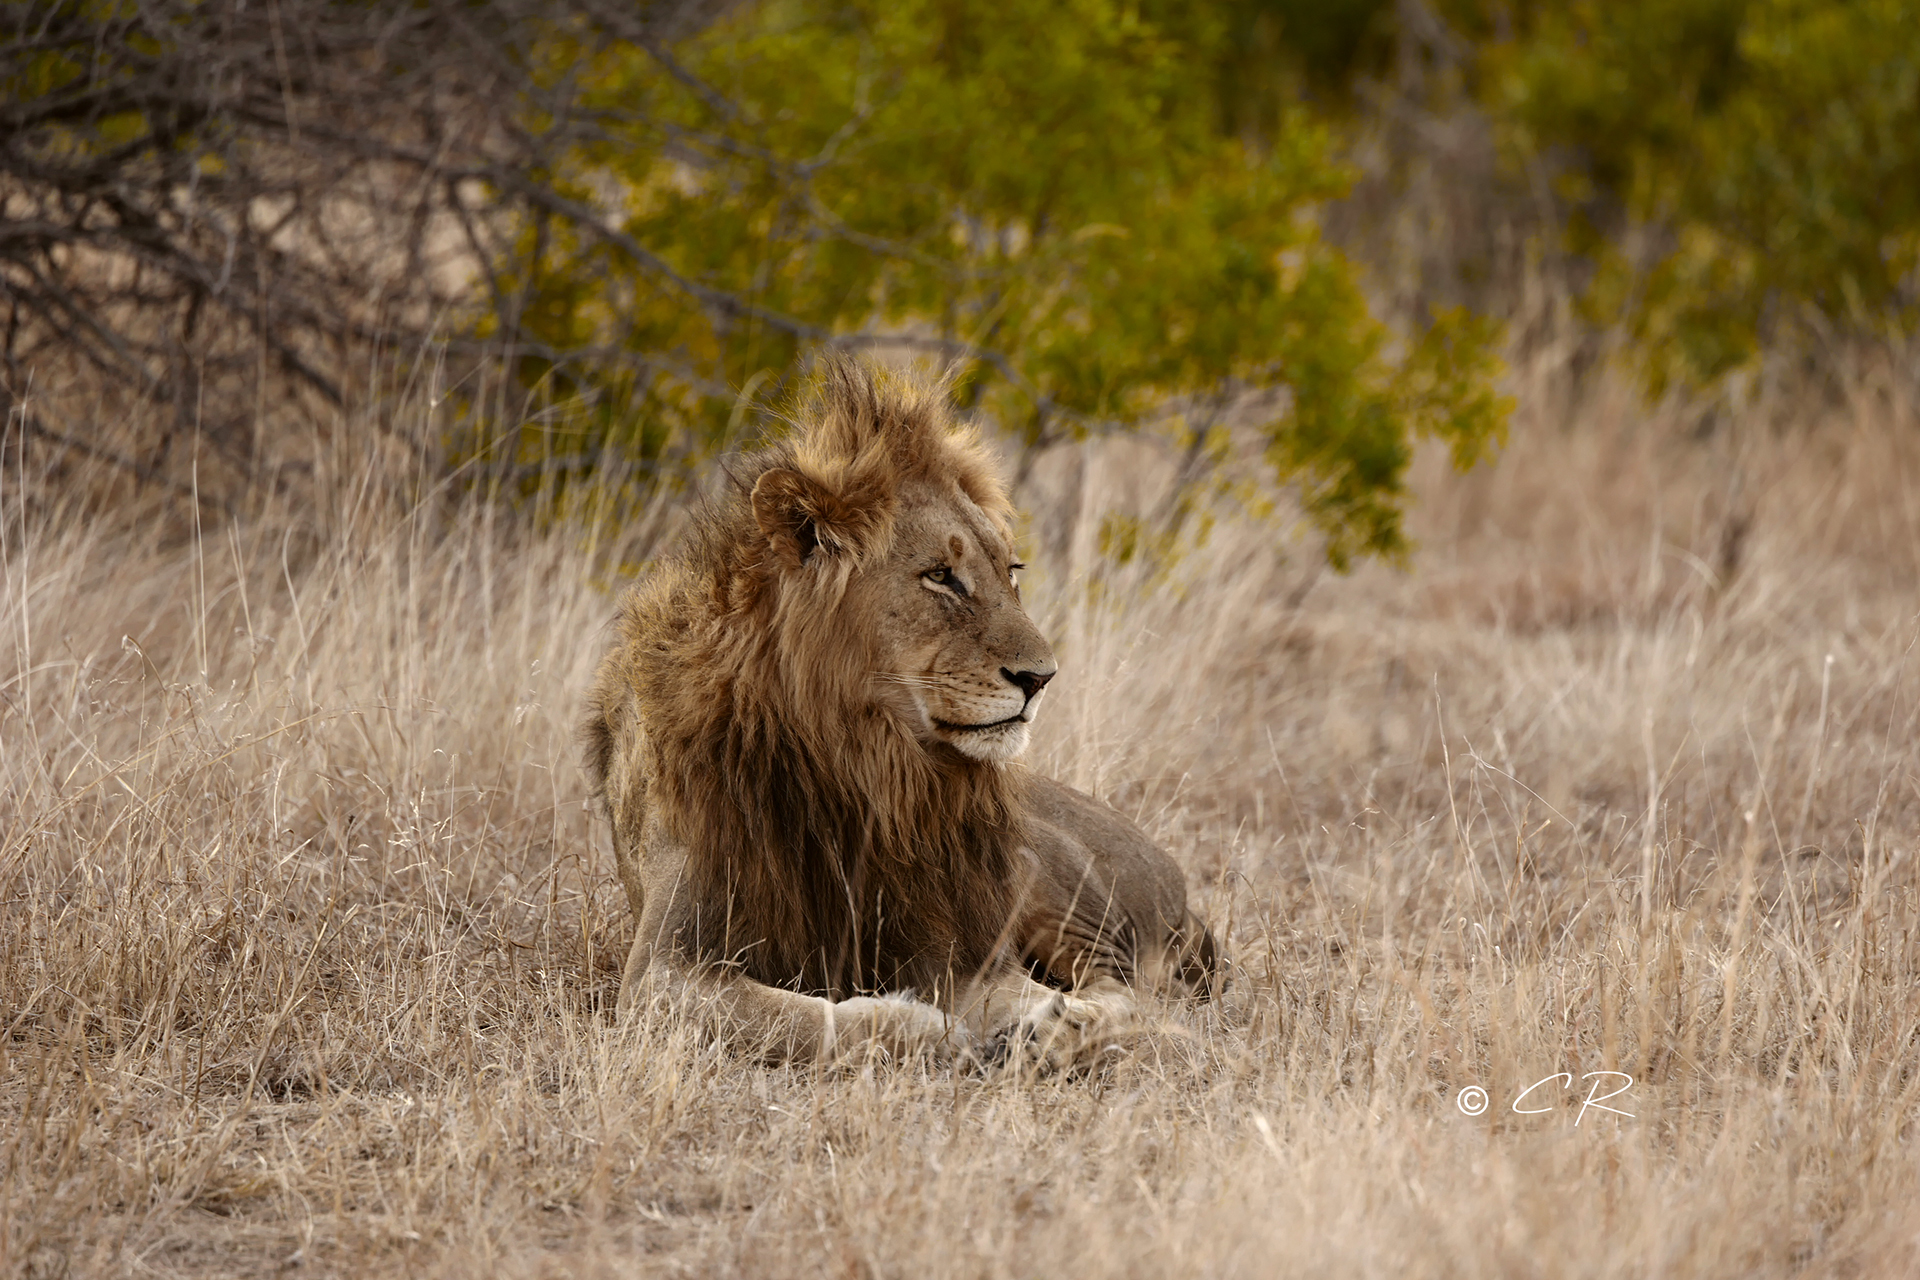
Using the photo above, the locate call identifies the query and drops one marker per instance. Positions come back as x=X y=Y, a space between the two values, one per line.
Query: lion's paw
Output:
x=1061 y=1033
x=896 y=1025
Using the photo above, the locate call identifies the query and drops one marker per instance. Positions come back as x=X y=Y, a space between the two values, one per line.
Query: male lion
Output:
x=805 y=736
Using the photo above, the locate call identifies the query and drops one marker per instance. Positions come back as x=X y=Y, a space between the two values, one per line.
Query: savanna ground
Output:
x=308 y=938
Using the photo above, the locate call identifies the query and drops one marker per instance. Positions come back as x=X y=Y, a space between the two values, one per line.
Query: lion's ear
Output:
x=800 y=516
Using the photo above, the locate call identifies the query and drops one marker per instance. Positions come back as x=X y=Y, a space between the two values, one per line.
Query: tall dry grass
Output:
x=307 y=938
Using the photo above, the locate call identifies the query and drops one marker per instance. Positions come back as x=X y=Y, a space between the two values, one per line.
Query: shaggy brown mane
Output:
x=848 y=855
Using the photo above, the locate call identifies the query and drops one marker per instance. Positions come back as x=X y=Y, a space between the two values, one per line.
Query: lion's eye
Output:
x=945 y=579
x=1012 y=569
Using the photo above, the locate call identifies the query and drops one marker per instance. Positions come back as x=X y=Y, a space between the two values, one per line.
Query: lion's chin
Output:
x=992 y=745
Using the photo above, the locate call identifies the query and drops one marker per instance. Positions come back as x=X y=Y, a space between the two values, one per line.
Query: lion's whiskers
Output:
x=915 y=682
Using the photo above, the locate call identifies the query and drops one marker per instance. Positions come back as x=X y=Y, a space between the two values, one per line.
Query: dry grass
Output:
x=307 y=940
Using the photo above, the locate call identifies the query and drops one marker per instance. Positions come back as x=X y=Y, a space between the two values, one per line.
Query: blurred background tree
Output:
x=662 y=210
x=622 y=230
x=1047 y=195
x=1721 y=172
x=1769 y=149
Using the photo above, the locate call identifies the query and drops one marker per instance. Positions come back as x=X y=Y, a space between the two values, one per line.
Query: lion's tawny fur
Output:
x=804 y=734
x=850 y=858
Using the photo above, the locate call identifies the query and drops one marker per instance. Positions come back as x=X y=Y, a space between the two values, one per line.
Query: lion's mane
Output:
x=828 y=850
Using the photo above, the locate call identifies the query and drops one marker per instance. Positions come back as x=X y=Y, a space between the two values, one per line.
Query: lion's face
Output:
x=959 y=659
x=891 y=573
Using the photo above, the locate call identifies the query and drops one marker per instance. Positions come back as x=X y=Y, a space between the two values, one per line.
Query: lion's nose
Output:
x=1028 y=682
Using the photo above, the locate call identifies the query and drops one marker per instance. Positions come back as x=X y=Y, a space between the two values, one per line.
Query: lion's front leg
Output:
x=746 y=1015
x=785 y=1026
x=1023 y=1023
x=896 y=1025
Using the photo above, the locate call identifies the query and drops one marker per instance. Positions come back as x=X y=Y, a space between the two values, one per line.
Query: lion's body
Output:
x=803 y=736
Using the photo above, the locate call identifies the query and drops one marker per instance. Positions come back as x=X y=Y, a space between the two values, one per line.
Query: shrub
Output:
x=1772 y=146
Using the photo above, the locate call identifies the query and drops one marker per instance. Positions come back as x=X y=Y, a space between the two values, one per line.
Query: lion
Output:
x=805 y=735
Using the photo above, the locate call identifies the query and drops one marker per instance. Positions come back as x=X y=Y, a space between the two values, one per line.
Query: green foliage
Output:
x=1048 y=191
x=1278 y=52
x=1776 y=142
